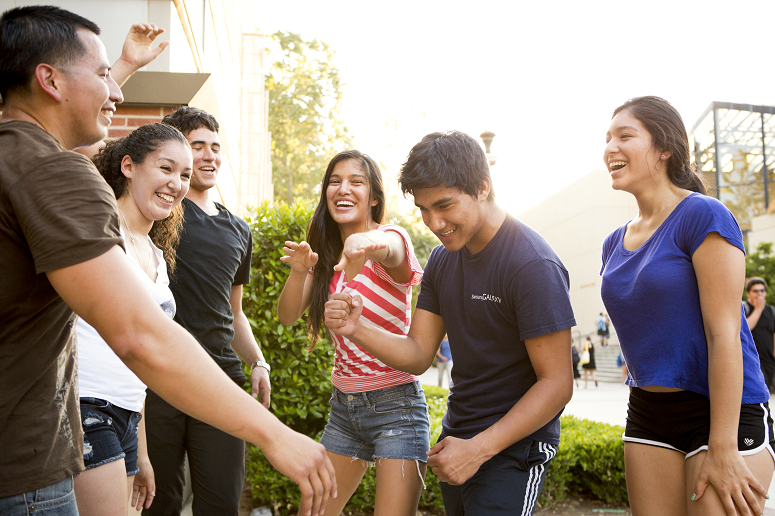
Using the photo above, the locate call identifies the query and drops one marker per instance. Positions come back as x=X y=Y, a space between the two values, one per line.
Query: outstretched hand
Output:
x=357 y=249
x=138 y=48
x=342 y=313
x=299 y=256
x=305 y=462
x=737 y=488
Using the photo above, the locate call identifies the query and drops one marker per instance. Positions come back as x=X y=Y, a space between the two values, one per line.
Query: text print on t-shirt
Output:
x=486 y=297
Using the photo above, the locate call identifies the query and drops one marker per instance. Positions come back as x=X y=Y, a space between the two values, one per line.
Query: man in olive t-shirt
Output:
x=58 y=243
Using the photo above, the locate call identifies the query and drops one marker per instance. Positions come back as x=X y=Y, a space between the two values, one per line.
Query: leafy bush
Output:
x=761 y=263
x=590 y=460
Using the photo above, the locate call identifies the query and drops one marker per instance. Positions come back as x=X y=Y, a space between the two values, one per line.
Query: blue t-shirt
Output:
x=652 y=297
x=514 y=289
x=444 y=350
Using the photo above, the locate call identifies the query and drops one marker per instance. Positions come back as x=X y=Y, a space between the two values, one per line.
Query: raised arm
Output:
x=297 y=292
x=412 y=353
x=138 y=51
x=720 y=270
x=108 y=293
x=385 y=247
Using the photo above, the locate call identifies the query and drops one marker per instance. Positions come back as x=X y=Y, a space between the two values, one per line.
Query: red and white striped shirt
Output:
x=386 y=304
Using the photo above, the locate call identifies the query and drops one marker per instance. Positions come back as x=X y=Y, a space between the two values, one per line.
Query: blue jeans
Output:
x=55 y=500
x=389 y=423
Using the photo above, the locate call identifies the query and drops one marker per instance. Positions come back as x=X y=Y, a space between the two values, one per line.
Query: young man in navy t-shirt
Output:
x=501 y=294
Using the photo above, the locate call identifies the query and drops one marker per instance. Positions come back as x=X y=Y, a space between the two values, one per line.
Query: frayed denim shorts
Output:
x=109 y=434
x=389 y=423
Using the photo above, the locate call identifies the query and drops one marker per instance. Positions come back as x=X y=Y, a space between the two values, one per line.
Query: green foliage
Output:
x=304 y=114
x=761 y=263
x=590 y=460
x=301 y=385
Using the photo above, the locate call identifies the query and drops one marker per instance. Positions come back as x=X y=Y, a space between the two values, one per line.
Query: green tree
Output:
x=304 y=114
x=761 y=263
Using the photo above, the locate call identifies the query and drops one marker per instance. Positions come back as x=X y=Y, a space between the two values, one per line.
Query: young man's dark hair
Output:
x=755 y=281
x=452 y=159
x=187 y=119
x=37 y=34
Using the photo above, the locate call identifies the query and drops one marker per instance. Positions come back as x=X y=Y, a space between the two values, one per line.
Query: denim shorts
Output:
x=54 y=500
x=109 y=434
x=389 y=423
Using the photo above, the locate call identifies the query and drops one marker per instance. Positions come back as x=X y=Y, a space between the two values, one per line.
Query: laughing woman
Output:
x=149 y=171
x=377 y=414
x=698 y=434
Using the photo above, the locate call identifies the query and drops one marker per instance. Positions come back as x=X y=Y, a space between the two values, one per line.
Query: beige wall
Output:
x=206 y=36
x=575 y=221
x=762 y=230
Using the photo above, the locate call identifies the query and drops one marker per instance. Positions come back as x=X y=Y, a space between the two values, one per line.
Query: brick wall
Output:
x=127 y=118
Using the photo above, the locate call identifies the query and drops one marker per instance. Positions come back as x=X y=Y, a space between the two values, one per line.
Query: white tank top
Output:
x=101 y=374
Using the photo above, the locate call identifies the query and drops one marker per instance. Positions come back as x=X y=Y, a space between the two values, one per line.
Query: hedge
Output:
x=590 y=457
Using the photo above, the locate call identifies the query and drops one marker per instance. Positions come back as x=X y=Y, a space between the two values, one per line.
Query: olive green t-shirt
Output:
x=55 y=211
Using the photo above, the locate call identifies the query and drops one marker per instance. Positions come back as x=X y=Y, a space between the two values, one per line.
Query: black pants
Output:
x=216 y=460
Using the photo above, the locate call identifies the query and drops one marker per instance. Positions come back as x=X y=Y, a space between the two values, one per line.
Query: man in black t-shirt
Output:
x=213 y=263
x=761 y=321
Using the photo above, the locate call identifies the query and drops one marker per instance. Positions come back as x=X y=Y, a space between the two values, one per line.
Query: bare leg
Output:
x=761 y=465
x=101 y=491
x=656 y=483
x=398 y=487
x=349 y=473
x=586 y=376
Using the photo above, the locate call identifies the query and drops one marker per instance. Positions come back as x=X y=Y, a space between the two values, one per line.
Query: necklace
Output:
x=132 y=239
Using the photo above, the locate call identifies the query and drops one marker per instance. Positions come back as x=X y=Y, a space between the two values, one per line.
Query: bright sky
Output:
x=543 y=76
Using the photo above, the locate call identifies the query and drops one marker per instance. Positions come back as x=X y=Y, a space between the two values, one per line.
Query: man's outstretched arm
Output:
x=108 y=293
x=412 y=353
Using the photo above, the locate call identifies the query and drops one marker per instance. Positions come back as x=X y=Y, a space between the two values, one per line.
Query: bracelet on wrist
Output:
x=260 y=363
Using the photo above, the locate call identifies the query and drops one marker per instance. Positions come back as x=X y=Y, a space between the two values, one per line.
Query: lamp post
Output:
x=487 y=137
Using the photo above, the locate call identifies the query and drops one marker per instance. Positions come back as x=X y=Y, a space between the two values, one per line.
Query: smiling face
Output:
x=348 y=196
x=207 y=158
x=630 y=157
x=455 y=217
x=159 y=183
x=89 y=94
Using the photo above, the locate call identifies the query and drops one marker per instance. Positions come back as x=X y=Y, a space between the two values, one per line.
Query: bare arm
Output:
x=412 y=353
x=385 y=247
x=108 y=293
x=297 y=292
x=720 y=270
x=244 y=344
x=144 y=482
x=137 y=51
x=455 y=460
x=758 y=305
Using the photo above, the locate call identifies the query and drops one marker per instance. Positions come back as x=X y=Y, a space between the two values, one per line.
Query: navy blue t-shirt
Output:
x=514 y=289
x=652 y=297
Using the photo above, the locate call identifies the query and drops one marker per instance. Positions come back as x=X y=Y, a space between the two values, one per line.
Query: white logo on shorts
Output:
x=748 y=441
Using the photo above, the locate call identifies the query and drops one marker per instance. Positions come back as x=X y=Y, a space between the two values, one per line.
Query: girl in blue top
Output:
x=698 y=435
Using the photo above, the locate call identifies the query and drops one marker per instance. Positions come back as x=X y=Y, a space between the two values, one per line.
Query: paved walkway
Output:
x=606 y=403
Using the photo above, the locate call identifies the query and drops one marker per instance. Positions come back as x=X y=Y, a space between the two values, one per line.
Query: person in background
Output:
x=602 y=324
x=149 y=171
x=761 y=321
x=698 y=438
x=444 y=361
x=588 y=365
x=575 y=358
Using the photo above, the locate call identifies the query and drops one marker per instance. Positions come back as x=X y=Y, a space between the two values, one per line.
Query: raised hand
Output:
x=299 y=256
x=138 y=48
x=342 y=313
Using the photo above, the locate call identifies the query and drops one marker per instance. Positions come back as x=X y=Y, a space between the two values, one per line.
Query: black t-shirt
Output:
x=763 y=336
x=514 y=289
x=213 y=255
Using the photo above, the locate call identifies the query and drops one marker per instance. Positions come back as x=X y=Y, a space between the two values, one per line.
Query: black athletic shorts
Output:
x=680 y=421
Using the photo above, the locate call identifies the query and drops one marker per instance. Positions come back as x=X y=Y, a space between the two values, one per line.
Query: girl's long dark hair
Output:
x=668 y=133
x=324 y=238
x=144 y=140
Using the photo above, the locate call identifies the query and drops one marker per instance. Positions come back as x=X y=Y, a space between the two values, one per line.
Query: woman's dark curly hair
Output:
x=138 y=145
